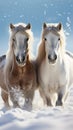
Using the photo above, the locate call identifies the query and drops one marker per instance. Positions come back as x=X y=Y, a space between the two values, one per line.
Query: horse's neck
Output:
x=17 y=70
x=16 y=74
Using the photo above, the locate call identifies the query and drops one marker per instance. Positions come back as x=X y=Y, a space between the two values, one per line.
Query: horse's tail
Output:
x=69 y=54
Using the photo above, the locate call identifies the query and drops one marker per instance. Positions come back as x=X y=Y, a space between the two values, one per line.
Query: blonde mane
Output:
x=41 y=52
x=41 y=49
x=20 y=27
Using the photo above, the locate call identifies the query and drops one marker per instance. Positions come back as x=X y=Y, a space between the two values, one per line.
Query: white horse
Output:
x=54 y=65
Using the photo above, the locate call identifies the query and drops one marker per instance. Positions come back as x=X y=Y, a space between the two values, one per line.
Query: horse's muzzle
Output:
x=52 y=59
x=20 y=60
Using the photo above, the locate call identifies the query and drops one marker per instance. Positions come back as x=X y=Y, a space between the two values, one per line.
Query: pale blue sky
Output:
x=36 y=12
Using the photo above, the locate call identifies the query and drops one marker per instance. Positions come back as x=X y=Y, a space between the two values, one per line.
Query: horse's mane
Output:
x=10 y=53
x=41 y=49
x=41 y=52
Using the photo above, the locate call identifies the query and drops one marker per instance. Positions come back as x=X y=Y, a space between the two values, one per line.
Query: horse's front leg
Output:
x=46 y=97
x=62 y=95
x=5 y=97
x=14 y=96
x=29 y=95
x=43 y=96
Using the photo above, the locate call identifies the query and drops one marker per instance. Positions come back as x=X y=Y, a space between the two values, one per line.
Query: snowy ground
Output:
x=39 y=118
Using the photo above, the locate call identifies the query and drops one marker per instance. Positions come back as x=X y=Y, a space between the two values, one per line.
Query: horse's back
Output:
x=70 y=54
x=2 y=58
x=69 y=59
x=2 y=61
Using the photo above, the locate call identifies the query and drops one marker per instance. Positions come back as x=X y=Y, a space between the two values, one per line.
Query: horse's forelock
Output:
x=50 y=29
x=21 y=28
x=53 y=29
x=41 y=52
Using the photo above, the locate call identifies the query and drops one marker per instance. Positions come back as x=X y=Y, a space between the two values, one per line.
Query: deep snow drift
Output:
x=39 y=118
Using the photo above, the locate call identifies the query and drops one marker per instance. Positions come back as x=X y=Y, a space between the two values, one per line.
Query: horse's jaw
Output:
x=21 y=64
x=52 y=63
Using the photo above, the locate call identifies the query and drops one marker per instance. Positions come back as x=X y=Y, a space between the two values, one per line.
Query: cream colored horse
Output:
x=19 y=71
x=54 y=65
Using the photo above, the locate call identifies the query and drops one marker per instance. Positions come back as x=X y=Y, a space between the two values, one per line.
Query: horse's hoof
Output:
x=59 y=103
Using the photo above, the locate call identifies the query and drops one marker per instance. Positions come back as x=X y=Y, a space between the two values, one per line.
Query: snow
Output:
x=44 y=12
x=39 y=118
x=68 y=27
x=59 y=14
x=68 y=24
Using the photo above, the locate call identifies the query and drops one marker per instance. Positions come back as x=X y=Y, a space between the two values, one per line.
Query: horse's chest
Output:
x=23 y=82
x=51 y=78
x=22 y=87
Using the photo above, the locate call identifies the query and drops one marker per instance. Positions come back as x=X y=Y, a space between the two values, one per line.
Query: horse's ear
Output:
x=28 y=26
x=59 y=26
x=44 y=25
x=12 y=26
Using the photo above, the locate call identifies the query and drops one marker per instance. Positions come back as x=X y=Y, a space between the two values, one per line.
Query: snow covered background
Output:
x=39 y=118
x=36 y=12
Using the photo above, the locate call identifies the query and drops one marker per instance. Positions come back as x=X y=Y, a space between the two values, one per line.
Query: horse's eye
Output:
x=13 y=40
x=58 y=39
x=27 y=39
x=45 y=39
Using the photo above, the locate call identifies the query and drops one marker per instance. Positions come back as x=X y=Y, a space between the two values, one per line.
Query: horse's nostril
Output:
x=52 y=57
x=55 y=56
x=49 y=57
x=23 y=58
x=20 y=59
x=17 y=58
